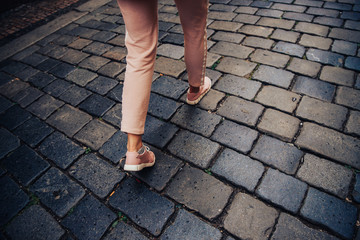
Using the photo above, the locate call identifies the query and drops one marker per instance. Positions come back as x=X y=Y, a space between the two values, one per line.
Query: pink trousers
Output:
x=141 y=21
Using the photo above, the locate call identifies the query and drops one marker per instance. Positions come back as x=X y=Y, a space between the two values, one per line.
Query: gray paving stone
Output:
x=356 y=191
x=350 y=15
x=115 y=148
x=269 y=13
x=258 y=42
x=12 y=199
x=278 y=98
x=5 y=78
x=261 y=4
x=93 y=63
x=330 y=143
x=310 y=3
x=95 y=134
x=101 y=85
x=97 y=48
x=352 y=125
x=344 y=47
x=235 y=136
x=29 y=72
x=171 y=51
x=81 y=76
x=348 y=97
x=69 y=120
x=351 y=24
x=246 y=18
x=96 y=174
x=193 y=148
x=57 y=191
x=112 y=69
x=124 y=231
x=315 y=41
x=75 y=95
x=289 y=227
x=274 y=152
x=325 y=57
x=61 y=150
x=345 y=34
x=329 y=21
x=250 y=218
x=62 y=70
x=157 y=132
x=27 y=96
x=337 y=75
x=298 y=16
x=283 y=35
x=89 y=220
x=232 y=50
x=235 y=66
x=34 y=59
x=44 y=106
x=193 y=118
x=187 y=226
x=35 y=223
x=270 y=58
x=225 y=26
x=238 y=169
x=169 y=87
x=248 y=10
x=96 y=105
x=273 y=76
x=162 y=107
x=169 y=66
x=14 y=117
x=57 y=87
x=227 y=37
x=312 y=28
x=162 y=172
x=146 y=208
x=41 y=79
x=357 y=83
x=10 y=89
x=33 y=131
x=241 y=110
x=304 y=67
x=326 y=113
x=193 y=188
x=327 y=210
x=114 y=115
x=282 y=190
x=323 y=12
x=80 y=43
x=278 y=124
x=290 y=49
x=117 y=54
x=338 y=6
x=211 y=100
x=276 y=23
x=8 y=142
x=256 y=30
x=353 y=63
x=230 y=84
x=73 y=56
x=4 y=104
x=314 y=88
x=325 y=174
x=14 y=67
x=289 y=7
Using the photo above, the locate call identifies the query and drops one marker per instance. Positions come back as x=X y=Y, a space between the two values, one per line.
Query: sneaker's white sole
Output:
x=198 y=99
x=138 y=167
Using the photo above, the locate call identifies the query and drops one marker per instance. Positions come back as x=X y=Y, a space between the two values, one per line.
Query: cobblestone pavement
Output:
x=271 y=152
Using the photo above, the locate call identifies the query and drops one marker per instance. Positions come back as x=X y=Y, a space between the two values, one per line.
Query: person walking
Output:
x=141 y=23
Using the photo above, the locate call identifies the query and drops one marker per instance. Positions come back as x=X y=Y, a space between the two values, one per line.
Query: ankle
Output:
x=134 y=143
x=194 y=89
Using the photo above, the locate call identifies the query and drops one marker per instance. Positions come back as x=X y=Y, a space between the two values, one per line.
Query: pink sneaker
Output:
x=136 y=162
x=194 y=98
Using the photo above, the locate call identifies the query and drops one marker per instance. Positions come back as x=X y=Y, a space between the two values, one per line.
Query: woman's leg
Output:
x=193 y=15
x=141 y=38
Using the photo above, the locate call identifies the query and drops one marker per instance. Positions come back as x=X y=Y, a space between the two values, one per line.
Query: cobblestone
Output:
x=348 y=97
x=193 y=188
x=146 y=208
x=337 y=75
x=314 y=41
x=241 y=110
x=267 y=150
x=352 y=125
x=325 y=174
x=314 y=88
x=278 y=98
x=235 y=136
x=304 y=67
x=344 y=47
x=232 y=50
x=276 y=23
x=124 y=231
x=8 y=142
x=169 y=87
x=238 y=169
x=157 y=132
x=322 y=208
x=278 y=124
x=258 y=42
x=33 y=131
x=284 y=35
x=14 y=117
x=250 y=218
x=270 y=58
x=325 y=57
x=256 y=30
x=330 y=143
x=235 y=66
